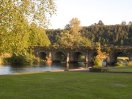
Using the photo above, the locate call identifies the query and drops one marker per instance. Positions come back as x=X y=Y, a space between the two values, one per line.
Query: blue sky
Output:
x=91 y=11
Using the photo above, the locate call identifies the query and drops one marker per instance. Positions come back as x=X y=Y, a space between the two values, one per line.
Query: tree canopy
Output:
x=119 y=35
x=15 y=19
x=71 y=36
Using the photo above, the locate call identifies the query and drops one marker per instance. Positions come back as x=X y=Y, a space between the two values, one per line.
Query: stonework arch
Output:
x=59 y=56
x=78 y=56
x=43 y=55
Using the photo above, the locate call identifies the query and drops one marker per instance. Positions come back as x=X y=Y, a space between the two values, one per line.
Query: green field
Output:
x=66 y=85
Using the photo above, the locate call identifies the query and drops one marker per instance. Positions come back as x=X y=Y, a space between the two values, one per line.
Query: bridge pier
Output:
x=86 y=58
x=67 y=57
x=49 y=58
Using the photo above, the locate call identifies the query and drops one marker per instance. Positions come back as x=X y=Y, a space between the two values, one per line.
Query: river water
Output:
x=8 y=69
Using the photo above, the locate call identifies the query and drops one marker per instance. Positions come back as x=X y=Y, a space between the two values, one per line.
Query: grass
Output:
x=120 y=69
x=66 y=85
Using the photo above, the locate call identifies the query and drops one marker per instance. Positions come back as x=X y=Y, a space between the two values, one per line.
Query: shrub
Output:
x=98 y=69
x=130 y=63
x=95 y=69
x=97 y=63
x=1 y=61
x=119 y=64
x=22 y=59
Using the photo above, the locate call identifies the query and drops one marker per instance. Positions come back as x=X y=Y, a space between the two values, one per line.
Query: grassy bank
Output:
x=66 y=85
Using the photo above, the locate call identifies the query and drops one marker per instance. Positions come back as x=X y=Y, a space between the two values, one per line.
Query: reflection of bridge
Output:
x=77 y=54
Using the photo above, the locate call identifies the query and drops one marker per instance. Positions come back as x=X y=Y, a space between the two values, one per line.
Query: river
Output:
x=8 y=69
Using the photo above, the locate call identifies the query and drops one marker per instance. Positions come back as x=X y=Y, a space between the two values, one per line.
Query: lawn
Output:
x=66 y=85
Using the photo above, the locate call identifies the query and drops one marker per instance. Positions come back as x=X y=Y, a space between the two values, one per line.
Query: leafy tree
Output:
x=130 y=23
x=15 y=17
x=72 y=38
x=100 y=22
x=16 y=34
x=13 y=28
x=75 y=26
x=123 y=23
x=38 y=36
x=39 y=11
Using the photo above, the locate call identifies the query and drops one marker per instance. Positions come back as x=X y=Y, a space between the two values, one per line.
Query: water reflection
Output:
x=8 y=69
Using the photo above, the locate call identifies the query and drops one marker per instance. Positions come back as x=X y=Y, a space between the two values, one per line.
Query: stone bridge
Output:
x=65 y=55
x=81 y=54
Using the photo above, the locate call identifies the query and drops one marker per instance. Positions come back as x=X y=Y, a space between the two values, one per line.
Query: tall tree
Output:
x=37 y=36
x=72 y=37
x=100 y=22
x=75 y=26
x=15 y=16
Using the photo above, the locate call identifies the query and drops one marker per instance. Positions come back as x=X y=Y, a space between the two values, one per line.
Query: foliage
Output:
x=13 y=27
x=119 y=64
x=130 y=63
x=109 y=34
x=16 y=33
x=1 y=60
x=105 y=34
x=97 y=62
x=98 y=69
x=24 y=58
x=37 y=36
x=71 y=37
x=39 y=11
x=122 y=61
x=99 y=57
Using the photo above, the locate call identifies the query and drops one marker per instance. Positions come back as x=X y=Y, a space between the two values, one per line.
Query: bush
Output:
x=119 y=64
x=95 y=69
x=22 y=59
x=97 y=63
x=1 y=61
x=17 y=60
x=130 y=63
x=98 y=69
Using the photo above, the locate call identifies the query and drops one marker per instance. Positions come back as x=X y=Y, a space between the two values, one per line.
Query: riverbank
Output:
x=120 y=70
x=70 y=70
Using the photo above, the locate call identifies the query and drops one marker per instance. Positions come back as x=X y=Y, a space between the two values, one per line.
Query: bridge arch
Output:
x=43 y=55
x=78 y=57
x=117 y=53
x=60 y=56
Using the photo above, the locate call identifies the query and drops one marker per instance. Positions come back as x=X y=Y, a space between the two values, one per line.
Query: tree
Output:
x=15 y=16
x=67 y=27
x=39 y=11
x=130 y=23
x=38 y=36
x=13 y=26
x=123 y=23
x=72 y=38
x=75 y=26
x=100 y=22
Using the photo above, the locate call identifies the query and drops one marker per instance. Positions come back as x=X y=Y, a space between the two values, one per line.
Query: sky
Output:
x=91 y=11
